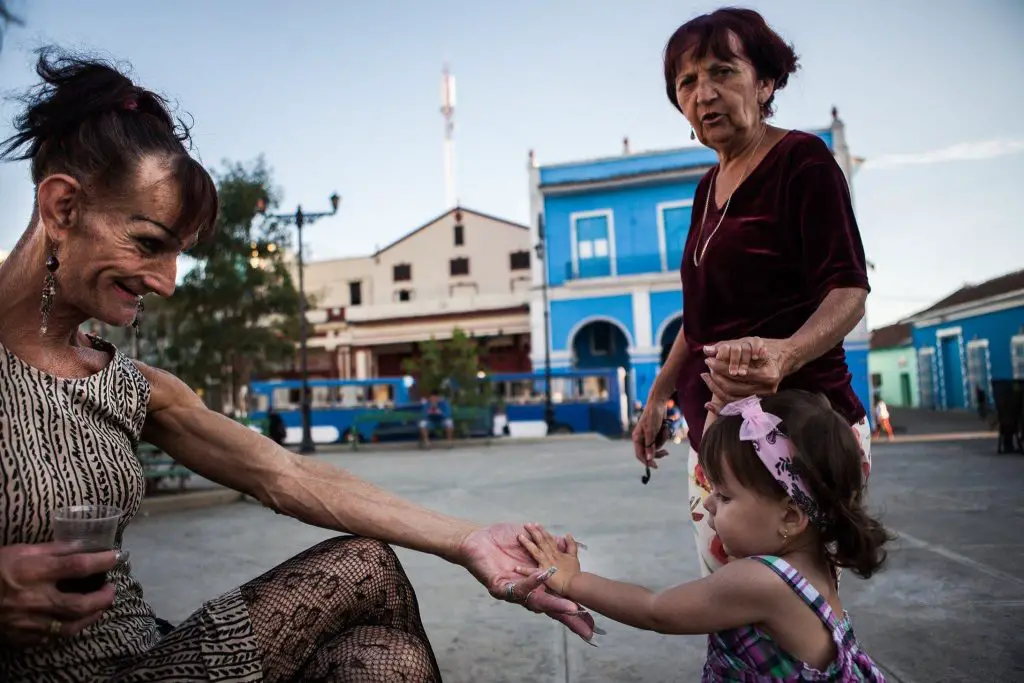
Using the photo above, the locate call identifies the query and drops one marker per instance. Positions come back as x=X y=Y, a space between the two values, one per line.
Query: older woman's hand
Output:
x=493 y=554
x=32 y=609
x=748 y=366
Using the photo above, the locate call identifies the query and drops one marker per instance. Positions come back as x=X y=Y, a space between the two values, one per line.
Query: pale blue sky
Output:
x=344 y=96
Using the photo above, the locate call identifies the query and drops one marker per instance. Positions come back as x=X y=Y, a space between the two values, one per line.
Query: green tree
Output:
x=236 y=311
x=451 y=368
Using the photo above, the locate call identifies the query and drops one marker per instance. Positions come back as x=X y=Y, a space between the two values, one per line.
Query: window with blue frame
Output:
x=593 y=245
x=675 y=222
x=1017 y=356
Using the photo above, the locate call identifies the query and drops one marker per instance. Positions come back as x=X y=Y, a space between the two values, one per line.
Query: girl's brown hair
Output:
x=826 y=455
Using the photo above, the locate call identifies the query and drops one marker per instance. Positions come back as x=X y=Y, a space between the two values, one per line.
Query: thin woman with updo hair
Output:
x=117 y=199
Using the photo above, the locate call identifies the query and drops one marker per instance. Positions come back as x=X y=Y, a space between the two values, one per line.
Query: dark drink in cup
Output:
x=89 y=584
x=93 y=529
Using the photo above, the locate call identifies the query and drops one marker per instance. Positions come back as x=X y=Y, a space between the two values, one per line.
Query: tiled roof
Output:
x=891 y=336
x=1004 y=284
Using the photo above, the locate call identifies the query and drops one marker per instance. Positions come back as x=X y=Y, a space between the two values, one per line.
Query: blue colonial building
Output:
x=613 y=236
x=969 y=338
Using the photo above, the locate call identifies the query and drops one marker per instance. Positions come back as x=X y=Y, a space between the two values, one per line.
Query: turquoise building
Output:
x=892 y=364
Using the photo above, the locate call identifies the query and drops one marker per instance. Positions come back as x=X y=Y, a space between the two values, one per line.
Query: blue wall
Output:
x=638 y=164
x=857 y=362
x=627 y=165
x=643 y=379
x=664 y=305
x=635 y=222
x=583 y=348
x=567 y=314
x=634 y=208
x=997 y=328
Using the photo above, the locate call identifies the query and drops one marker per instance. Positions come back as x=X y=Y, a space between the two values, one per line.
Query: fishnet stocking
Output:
x=342 y=611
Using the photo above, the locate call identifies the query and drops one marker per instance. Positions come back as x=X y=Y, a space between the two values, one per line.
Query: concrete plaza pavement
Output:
x=949 y=606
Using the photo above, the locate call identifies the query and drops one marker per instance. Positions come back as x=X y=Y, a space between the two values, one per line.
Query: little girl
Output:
x=787 y=503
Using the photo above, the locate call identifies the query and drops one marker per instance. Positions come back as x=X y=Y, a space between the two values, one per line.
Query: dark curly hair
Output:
x=90 y=121
x=826 y=454
x=772 y=57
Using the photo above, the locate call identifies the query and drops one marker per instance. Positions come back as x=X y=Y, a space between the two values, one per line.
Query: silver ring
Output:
x=526 y=600
x=510 y=592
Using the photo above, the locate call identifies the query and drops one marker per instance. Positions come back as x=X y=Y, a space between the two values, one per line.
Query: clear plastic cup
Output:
x=91 y=528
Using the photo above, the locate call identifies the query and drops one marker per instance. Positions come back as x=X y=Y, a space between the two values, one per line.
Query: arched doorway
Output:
x=600 y=344
x=668 y=337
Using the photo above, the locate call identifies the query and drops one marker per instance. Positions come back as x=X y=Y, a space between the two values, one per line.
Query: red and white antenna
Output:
x=448 y=112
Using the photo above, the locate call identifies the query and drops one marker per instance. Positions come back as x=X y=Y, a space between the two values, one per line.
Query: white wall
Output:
x=487 y=244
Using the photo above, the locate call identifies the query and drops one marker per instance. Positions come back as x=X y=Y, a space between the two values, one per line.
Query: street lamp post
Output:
x=300 y=220
x=549 y=410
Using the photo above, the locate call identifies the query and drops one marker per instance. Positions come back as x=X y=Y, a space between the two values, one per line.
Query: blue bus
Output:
x=335 y=403
x=590 y=400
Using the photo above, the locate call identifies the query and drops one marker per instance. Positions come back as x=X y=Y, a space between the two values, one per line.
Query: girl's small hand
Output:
x=560 y=568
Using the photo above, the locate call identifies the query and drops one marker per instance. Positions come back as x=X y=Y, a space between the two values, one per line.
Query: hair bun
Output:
x=72 y=91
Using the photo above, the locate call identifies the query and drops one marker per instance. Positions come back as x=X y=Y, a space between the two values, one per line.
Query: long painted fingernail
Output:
x=600 y=631
x=121 y=556
x=595 y=640
x=582 y=546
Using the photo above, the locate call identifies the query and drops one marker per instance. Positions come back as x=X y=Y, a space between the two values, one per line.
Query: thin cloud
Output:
x=964 y=151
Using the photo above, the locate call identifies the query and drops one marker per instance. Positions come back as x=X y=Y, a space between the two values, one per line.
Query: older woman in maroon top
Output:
x=773 y=268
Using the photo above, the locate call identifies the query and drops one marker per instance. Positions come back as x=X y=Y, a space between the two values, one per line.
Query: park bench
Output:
x=468 y=421
x=159 y=468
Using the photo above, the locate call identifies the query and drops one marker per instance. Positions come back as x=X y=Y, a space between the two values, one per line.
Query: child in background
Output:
x=787 y=503
x=882 y=418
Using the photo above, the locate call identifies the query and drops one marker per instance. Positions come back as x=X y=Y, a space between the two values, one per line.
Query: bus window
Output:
x=563 y=390
x=524 y=391
x=320 y=397
x=259 y=403
x=383 y=395
x=351 y=396
x=594 y=388
x=285 y=399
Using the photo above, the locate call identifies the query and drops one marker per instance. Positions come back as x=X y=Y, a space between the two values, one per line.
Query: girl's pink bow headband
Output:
x=761 y=429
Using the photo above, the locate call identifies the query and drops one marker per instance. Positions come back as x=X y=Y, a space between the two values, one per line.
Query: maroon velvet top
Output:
x=788 y=239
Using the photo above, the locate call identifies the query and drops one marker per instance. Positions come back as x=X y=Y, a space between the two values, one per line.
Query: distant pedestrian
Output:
x=882 y=418
x=276 y=428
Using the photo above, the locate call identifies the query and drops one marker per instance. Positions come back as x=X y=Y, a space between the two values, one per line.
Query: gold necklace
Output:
x=697 y=260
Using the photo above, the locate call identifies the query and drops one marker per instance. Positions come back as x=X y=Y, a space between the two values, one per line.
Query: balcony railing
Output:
x=633 y=264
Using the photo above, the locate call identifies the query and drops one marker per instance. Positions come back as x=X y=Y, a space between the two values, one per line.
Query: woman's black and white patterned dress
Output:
x=72 y=442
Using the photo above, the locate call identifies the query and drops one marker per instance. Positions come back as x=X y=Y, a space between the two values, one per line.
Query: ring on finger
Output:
x=54 y=628
x=526 y=600
x=510 y=592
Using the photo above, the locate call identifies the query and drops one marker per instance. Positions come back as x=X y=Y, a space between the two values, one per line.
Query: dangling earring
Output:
x=49 y=291
x=785 y=536
x=139 y=308
x=693 y=135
